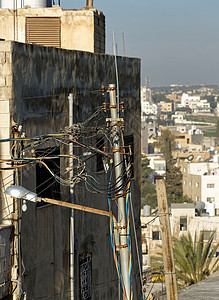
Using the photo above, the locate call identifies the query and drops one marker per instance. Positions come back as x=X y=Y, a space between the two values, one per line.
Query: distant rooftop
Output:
x=182 y=205
x=207 y=289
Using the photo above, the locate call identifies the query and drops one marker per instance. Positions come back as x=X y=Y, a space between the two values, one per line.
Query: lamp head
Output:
x=20 y=192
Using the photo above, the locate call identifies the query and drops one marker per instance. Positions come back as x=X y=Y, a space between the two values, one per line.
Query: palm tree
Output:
x=195 y=260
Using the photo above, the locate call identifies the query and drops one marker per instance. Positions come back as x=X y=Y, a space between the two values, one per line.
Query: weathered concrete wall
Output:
x=5 y=260
x=80 y=29
x=5 y=126
x=42 y=79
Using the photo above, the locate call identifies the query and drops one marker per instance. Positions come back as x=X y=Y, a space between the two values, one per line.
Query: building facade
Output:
x=34 y=89
x=82 y=29
x=183 y=220
x=200 y=182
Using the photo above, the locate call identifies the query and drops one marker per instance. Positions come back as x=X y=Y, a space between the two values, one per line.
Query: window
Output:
x=207 y=234
x=196 y=198
x=197 y=184
x=85 y=277
x=46 y=185
x=211 y=199
x=156 y=235
x=183 y=224
x=187 y=141
x=210 y=185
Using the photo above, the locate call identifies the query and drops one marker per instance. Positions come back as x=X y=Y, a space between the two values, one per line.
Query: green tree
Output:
x=148 y=192
x=195 y=260
x=166 y=143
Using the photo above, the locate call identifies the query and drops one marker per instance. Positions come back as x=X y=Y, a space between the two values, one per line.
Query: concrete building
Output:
x=188 y=100
x=148 y=131
x=197 y=104
x=149 y=109
x=166 y=107
x=146 y=95
x=200 y=182
x=183 y=220
x=158 y=165
x=34 y=87
x=48 y=25
x=173 y=97
x=182 y=140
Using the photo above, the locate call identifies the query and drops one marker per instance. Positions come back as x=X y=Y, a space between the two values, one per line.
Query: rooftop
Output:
x=207 y=289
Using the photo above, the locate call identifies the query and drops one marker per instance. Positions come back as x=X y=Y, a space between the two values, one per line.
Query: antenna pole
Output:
x=116 y=67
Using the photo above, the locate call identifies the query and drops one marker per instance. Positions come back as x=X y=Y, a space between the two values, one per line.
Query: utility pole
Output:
x=71 y=196
x=123 y=247
x=169 y=266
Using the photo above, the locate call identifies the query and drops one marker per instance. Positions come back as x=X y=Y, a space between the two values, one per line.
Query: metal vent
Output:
x=43 y=31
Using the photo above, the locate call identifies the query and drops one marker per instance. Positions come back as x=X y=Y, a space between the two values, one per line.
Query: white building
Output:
x=148 y=108
x=187 y=100
x=158 y=164
x=183 y=220
x=201 y=182
x=197 y=104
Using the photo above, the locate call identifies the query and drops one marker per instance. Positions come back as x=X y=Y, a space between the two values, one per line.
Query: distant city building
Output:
x=174 y=97
x=197 y=104
x=158 y=164
x=184 y=219
x=200 y=182
x=166 y=107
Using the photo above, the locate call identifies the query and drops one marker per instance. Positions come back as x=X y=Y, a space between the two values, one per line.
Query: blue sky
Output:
x=177 y=40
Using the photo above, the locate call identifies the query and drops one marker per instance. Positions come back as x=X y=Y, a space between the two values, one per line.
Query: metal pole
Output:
x=116 y=67
x=71 y=196
x=124 y=255
x=19 y=285
x=169 y=266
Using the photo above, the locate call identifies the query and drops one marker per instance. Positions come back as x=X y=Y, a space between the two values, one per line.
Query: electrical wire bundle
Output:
x=22 y=162
x=112 y=238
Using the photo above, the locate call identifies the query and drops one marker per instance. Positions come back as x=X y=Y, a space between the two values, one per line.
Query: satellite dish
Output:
x=190 y=157
x=200 y=205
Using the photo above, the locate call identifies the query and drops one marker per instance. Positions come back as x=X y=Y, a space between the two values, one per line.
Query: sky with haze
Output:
x=177 y=40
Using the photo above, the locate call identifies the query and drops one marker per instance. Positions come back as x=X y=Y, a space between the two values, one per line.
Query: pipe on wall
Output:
x=90 y=3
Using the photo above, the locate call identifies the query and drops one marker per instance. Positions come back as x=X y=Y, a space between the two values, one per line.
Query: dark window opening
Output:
x=46 y=184
x=183 y=224
x=85 y=267
x=156 y=235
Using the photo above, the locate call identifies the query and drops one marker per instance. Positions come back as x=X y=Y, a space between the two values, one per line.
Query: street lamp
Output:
x=20 y=192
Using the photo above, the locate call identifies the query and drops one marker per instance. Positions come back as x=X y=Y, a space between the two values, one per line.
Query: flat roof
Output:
x=207 y=289
x=182 y=205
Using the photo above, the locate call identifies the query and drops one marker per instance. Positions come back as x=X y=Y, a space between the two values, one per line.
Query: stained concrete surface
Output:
x=207 y=289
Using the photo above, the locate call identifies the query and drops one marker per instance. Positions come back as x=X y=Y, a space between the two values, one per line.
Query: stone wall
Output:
x=5 y=125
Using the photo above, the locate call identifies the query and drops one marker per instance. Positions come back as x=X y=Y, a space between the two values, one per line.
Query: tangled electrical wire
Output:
x=79 y=166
